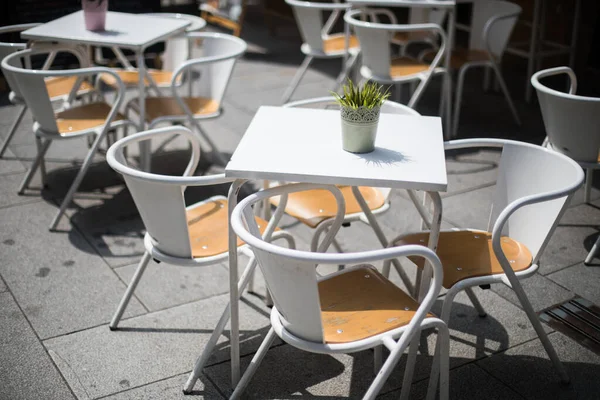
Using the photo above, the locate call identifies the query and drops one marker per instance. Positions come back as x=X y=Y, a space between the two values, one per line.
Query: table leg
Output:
x=533 y=44
x=434 y=234
x=145 y=146
x=234 y=335
x=448 y=78
x=377 y=229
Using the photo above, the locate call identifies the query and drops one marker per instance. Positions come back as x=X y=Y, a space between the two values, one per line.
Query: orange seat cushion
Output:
x=337 y=43
x=157 y=107
x=362 y=303
x=131 y=77
x=62 y=86
x=312 y=207
x=469 y=254
x=404 y=66
x=83 y=117
x=208 y=229
x=460 y=57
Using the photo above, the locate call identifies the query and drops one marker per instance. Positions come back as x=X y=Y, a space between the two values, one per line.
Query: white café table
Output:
x=305 y=145
x=135 y=32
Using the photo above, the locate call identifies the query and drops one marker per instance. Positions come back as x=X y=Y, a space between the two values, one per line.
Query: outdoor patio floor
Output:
x=59 y=290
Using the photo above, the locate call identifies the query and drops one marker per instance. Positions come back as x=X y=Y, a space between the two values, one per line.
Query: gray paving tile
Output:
x=572 y=239
x=152 y=347
x=27 y=371
x=528 y=370
x=541 y=291
x=469 y=210
x=580 y=279
x=466 y=383
x=471 y=169
x=10 y=186
x=169 y=389
x=57 y=278
x=3 y=287
x=24 y=134
x=9 y=163
x=287 y=372
x=164 y=285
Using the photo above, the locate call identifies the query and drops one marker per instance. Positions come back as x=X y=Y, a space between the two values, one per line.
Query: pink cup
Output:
x=94 y=12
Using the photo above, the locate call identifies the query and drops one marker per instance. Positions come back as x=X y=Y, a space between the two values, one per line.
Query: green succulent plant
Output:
x=369 y=96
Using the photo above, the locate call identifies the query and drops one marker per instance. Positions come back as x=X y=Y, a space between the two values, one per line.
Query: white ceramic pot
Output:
x=359 y=129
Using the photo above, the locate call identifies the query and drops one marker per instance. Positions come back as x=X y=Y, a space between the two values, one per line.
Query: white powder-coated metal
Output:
x=304 y=145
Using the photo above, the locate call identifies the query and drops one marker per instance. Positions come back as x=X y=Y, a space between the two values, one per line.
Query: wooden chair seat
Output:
x=362 y=303
x=157 y=107
x=62 y=85
x=84 y=117
x=208 y=228
x=337 y=43
x=312 y=207
x=405 y=37
x=131 y=78
x=404 y=66
x=460 y=57
x=468 y=254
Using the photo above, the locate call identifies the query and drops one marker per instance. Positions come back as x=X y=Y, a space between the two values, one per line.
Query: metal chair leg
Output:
x=114 y=322
x=254 y=364
x=40 y=146
x=504 y=88
x=459 y=91
x=592 y=253
x=410 y=367
x=34 y=166
x=12 y=130
x=294 y=84
x=76 y=182
x=217 y=332
x=346 y=68
x=437 y=361
x=476 y=303
x=589 y=178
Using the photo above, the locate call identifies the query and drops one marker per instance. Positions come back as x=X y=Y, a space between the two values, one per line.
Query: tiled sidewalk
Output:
x=59 y=290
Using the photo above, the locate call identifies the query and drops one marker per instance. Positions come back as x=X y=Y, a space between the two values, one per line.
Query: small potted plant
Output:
x=360 y=109
x=94 y=13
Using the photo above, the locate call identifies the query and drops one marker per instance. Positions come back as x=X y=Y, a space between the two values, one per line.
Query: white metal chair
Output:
x=572 y=126
x=345 y=312
x=318 y=40
x=91 y=119
x=419 y=16
x=533 y=189
x=58 y=88
x=378 y=63
x=194 y=236
x=178 y=49
x=491 y=26
x=214 y=68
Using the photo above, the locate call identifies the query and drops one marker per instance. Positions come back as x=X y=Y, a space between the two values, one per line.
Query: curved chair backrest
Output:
x=572 y=122
x=309 y=17
x=290 y=274
x=219 y=54
x=492 y=24
x=533 y=182
x=160 y=198
x=374 y=39
x=328 y=102
x=30 y=84
x=427 y=15
x=7 y=48
x=178 y=49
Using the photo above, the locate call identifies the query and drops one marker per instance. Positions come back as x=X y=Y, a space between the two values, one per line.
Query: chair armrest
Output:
x=535 y=79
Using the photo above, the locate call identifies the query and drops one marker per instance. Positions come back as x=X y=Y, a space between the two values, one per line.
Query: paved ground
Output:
x=59 y=290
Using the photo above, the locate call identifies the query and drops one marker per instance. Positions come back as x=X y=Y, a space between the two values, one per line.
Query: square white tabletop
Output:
x=305 y=145
x=133 y=31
